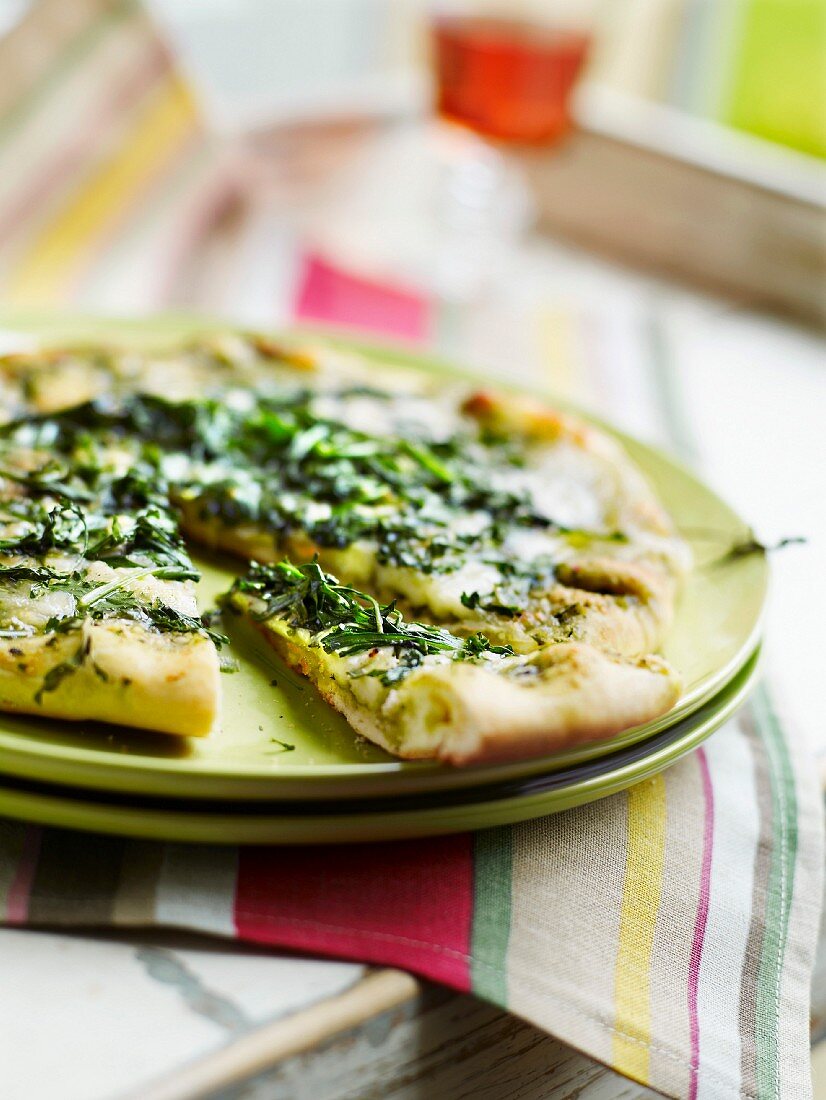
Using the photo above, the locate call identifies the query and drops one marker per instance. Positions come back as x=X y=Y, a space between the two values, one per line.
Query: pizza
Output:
x=466 y=575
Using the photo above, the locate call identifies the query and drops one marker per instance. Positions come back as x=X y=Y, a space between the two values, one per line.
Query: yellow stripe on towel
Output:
x=63 y=248
x=556 y=344
x=644 y=863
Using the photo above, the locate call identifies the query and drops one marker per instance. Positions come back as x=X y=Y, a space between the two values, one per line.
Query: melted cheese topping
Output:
x=18 y=607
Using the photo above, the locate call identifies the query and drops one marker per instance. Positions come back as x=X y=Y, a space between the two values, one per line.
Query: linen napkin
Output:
x=667 y=931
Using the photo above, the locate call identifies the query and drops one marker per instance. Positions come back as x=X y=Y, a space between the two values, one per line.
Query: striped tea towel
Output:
x=667 y=931
x=107 y=174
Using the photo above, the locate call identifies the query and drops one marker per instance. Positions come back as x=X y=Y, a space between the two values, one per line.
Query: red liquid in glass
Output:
x=505 y=79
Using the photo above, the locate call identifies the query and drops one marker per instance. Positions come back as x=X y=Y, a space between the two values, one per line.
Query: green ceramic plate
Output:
x=371 y=820
x=715 y=633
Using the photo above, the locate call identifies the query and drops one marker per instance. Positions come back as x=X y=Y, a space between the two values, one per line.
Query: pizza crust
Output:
x=116 y=672
x=462 y=713
x=469 y=715
x=250 y=544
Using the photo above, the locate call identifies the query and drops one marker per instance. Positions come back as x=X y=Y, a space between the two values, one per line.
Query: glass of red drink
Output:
x=507 y=78
x=444 y=205
x=504 y=73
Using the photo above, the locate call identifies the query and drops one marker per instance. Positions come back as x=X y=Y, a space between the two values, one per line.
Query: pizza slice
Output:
x=518 y=569
x=421 y=691
x=532 y=532
x=98 y=616
x=53 y=379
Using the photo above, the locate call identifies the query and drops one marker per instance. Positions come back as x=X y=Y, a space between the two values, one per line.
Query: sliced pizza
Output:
x=531 y=539
x=420 y=691
x=98 y=615
x=52 y=379
x=524 y=540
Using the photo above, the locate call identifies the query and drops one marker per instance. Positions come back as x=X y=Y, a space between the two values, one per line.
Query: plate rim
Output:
x=257 y=828
x=23 y=762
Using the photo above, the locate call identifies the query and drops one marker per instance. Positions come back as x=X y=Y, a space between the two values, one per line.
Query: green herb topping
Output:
x=345 y=621
x=274 y=462
x=103 y=482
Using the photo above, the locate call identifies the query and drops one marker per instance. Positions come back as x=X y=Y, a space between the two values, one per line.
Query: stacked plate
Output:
x=285 y=769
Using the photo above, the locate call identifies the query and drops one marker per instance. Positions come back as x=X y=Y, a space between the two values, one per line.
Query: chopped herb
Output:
x=473 y=601
x=109 y=474
x=346 y=621
x=752 y=545
x=267 y=462
x=55 y=676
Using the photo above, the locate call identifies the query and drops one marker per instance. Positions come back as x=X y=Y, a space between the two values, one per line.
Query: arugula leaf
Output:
x=346 y=621
x=283 y=746
x=473 y=601
x=55 y=676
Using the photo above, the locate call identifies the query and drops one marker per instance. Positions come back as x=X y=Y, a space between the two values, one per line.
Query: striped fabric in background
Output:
x=755 y=65
x=108 y=173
